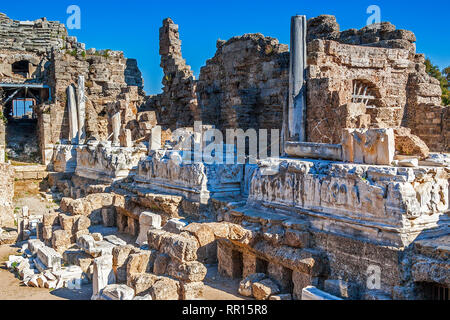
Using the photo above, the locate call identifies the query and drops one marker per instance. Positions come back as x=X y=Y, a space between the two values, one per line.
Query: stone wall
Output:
x=242 y=86
x=245 y=84
x=57 y=60
x=35 y=36
x=6 y=195
x=384 y=34
x=381 y=59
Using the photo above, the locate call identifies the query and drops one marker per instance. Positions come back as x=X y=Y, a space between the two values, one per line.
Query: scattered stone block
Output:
x=117 y=292
x=137 y=262
x=312 y=293
x=114 y=240
x=187 y=271
x=245 y=286
x=174 y=226
x=368 y=146
x=61 y=240
x=49 y=258
x=192 y=290
x=34 y=245
x=161 y=263
x=179 y=247
x=141 y=283
x=120 y=259
x=263 y=289
x=147 y=221
x=97 y=236
x=300 y=280
x=103 y=274
x=409 y=144
x=165 y=289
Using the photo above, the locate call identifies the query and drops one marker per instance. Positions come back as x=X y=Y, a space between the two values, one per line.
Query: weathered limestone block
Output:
x=207 y=253
x=49 y=258
x=61 y=240
x=94 y=248
x=78 y=258
x=50 y=219
x=246 y=285
x=147 y=221
x=263 y=289
x=369 y=146
x=409 y=144
x=155 y=237
x=174 y=226
x=161 y=263
x=141 y=283
x=192 y=291
x=165 y=289
x=117 y=292
x=34 y=245
x=138 y=262
x=187 y=272
x=300 y=280
x=178 y=247
x=120 y=258
x=103 y=274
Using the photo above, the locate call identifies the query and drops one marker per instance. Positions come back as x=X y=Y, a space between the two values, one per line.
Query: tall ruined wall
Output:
x=424 y=113
x=383 y=35
x=6 y=195
x=39 y=36
x=334 y=69
x=381 y=59
x=177 y=106
x=108 y=75
x=56 y=60
x=244 y=84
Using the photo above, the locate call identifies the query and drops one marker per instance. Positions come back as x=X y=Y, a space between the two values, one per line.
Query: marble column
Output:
x=116 y=126
x=73 y=115
x=295 y=119
x=155 y=139
x=81 y=98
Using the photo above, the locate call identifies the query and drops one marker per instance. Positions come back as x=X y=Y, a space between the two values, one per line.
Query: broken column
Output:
x=73 y=116
x=155 y=139
x=116 y=126
x=103 y=274
x=147 y=221
x=81 y=97
x=295 y=121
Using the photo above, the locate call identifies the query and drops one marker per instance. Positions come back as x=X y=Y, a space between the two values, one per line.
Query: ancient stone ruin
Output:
x=353 y=202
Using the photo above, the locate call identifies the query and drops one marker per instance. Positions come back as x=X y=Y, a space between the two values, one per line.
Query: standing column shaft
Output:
x=296 y=118
x=73 y=116
x=81 y=111
x=116 y=126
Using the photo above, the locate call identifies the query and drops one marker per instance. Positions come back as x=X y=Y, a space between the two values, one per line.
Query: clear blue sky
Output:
x=133 y=26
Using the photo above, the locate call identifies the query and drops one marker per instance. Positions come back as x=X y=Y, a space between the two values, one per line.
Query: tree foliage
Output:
x=443 y=77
